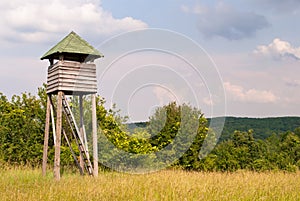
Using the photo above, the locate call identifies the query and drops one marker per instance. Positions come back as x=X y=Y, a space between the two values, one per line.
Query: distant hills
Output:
x=262 y=127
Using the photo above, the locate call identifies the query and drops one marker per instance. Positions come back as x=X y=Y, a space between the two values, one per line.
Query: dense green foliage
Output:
x=174 y=132
x=178 y=131
x=242 y=151
x=21 y=128
x=263 y=127
x=173 y=136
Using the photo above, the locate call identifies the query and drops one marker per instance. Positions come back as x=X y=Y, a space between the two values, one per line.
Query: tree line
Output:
x=263 y=127
x=173 y=137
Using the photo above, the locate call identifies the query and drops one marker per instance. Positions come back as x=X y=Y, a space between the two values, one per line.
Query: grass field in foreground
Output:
x=17 y=184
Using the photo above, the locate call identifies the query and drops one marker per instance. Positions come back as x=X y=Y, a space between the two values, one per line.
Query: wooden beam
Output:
x=53 y=122
x=58 y=136
x=81 y=127
x=46 y=137
x=95 y=140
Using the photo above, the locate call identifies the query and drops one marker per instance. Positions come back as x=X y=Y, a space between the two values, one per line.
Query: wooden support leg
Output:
x=46 y=137
x=52 y=121
x=95 y=141
x=81 y=128
x=58 y=136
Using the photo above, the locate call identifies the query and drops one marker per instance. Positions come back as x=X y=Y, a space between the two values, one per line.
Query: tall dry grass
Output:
x=25 y=184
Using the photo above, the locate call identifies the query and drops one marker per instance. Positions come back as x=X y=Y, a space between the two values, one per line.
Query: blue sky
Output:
x=254 y=44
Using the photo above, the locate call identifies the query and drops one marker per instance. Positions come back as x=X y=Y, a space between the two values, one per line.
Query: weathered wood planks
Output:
x=72 y=77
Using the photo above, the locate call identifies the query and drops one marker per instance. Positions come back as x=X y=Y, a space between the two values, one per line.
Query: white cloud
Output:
x=208 y=101
x=164 y=95
x=278 y=49
x=197 y=9
x=238 y=93
x=36 y=21
x=185 y=8
x=227 y=22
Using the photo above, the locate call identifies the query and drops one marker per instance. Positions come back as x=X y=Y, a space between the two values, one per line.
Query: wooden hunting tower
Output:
x=71 y=72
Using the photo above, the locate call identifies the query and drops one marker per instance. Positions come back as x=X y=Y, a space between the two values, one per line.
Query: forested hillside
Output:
x=262 y=127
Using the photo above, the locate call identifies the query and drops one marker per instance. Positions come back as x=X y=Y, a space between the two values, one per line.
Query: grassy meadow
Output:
x=26 y=184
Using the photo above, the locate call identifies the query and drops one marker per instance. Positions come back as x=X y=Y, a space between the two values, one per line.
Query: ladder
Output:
x=76 y=134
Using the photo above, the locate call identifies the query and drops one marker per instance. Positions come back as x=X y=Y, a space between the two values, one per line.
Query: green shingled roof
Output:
x=73 y=46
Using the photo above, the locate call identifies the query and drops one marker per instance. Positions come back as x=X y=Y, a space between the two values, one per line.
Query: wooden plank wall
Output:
x=72 y=77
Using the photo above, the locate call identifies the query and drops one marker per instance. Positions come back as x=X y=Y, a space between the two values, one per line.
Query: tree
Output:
x=119 y=149
x=239 y=152
x=174 y=135
x=290 y=151
x=22 y=125
x=178 y=132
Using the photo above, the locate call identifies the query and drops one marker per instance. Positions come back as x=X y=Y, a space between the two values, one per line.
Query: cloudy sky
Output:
x=253 y=44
